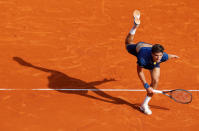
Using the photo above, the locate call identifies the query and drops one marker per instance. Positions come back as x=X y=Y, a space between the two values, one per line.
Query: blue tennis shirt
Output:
x=145 y=59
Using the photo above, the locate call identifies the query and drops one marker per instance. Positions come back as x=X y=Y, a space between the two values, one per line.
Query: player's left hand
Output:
x=175 y=56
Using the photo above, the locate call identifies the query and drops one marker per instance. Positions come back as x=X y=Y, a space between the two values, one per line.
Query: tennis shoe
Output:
x=146 y=109
x=136 y=15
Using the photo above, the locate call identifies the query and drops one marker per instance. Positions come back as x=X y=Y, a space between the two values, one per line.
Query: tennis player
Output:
x=148 y=57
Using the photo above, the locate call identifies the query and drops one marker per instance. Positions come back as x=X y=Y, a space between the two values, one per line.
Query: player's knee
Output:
x=154 y=81
x=129 y=39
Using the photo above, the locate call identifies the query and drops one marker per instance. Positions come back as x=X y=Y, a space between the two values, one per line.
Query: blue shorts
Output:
x=131 y=48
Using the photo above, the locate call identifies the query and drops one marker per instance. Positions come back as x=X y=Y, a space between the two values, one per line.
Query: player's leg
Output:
x=145 y=107
x=155 y=75
x=129 y=38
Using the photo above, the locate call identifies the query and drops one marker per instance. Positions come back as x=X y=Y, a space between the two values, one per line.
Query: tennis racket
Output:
x=178 y=95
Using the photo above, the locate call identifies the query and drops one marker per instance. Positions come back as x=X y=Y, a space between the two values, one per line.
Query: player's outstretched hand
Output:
x=173 y=56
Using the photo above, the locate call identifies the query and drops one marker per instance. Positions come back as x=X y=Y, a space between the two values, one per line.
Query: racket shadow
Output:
x=59 y=80
x=158 y=107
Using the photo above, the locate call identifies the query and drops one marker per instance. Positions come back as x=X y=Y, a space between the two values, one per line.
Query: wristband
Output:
x=146 y=86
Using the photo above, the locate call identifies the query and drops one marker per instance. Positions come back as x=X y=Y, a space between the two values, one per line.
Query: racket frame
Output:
x=166 y=93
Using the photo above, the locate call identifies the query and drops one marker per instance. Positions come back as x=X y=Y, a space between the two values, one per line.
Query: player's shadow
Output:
x=58 y=81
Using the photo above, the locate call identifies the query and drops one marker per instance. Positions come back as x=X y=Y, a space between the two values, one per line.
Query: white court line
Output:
x=135 y=90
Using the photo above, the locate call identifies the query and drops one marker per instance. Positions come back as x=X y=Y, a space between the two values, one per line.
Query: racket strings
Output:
x=181 y=96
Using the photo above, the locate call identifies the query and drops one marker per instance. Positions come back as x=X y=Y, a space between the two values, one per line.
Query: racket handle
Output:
x=158 y=91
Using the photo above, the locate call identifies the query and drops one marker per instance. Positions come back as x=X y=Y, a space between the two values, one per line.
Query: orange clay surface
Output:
x=79 y=44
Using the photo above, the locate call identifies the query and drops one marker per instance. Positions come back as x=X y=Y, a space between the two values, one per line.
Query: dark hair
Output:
x=157 y=48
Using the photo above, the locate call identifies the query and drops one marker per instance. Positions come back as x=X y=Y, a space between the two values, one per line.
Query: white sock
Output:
x=146 y=101
x=132 y=31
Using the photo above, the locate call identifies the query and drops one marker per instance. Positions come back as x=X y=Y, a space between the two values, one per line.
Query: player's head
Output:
x=157 y=52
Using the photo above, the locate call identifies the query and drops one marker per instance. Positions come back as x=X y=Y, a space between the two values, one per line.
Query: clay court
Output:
x=53 y=45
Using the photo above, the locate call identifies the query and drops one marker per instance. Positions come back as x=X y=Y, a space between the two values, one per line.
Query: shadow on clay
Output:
x=59 y=80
